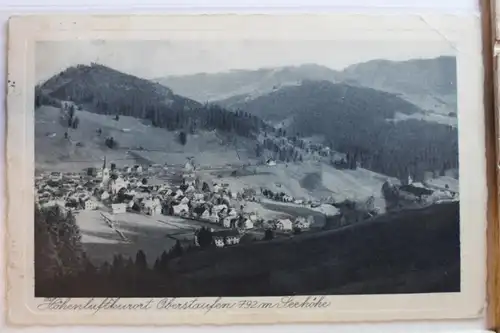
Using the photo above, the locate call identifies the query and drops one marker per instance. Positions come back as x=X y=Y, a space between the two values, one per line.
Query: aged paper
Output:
x=231 y=169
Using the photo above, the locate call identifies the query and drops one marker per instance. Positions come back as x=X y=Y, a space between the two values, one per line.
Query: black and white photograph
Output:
x=219 y=168
x=225 y=169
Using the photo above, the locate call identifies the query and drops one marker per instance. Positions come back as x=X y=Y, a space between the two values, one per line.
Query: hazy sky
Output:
x=152 y=59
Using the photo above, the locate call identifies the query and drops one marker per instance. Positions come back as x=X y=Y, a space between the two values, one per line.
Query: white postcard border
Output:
x=461 y=31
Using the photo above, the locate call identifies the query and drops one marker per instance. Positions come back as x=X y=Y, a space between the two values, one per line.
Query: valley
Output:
x=296 y=173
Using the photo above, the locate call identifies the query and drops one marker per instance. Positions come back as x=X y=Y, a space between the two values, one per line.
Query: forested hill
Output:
x=292 y=100
x=103 y=90
x=359 y=122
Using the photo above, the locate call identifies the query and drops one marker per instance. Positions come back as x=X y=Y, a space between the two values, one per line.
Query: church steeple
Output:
x=104 y=164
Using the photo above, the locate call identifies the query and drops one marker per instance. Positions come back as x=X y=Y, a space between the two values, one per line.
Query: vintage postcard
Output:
x=234 y=169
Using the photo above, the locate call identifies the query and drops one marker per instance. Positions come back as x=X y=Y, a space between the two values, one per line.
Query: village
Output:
x=156 y=190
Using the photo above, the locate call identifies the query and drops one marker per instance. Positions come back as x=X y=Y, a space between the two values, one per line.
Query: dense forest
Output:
x=399 y=149
x=289 y=101
x=103 y=90
x=360 y=123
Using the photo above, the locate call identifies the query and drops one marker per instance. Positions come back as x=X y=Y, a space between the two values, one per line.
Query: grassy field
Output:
x=152 y=234
x=85 y=148
x=308 y=180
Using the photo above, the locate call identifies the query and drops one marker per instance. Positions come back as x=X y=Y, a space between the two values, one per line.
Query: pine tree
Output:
x=140 y=261
x=67 y=238
x=177 y=250
x=47 y=261
x=268 y=235
x=157 y=266
x=183 y=138
x=118 y=265
x=75 y=123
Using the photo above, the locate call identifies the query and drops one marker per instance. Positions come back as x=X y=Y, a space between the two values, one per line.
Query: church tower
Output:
x=105 y=171
x=410 y=180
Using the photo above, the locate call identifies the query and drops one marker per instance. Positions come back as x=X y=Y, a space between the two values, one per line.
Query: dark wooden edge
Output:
x=488 y=19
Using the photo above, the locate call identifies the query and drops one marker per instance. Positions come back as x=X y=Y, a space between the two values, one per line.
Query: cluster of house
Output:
x=92 y=188
x=216 y=204
x=232 y=236
x=130 y=189
x=429 y=191
x=67 y=190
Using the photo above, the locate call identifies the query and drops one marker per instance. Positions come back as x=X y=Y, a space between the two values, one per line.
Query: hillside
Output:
x=218 y=156
x=137 y=139
x=108 y=90
x=415 y=251
x=429 y=83
x=205 y=87
x=103 y=90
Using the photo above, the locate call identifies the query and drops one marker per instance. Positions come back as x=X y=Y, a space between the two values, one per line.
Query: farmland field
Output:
x=152 y=234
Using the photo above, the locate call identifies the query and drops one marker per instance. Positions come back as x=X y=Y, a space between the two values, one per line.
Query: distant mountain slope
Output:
x=414 y=251
x=205 y=87
x=428 y=83
x=103 y=90
x=293 y=100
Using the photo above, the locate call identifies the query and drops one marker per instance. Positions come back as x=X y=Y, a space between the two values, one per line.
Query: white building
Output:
x=119 y=208
x=284 y=224
x=190 y=189
x=205 y=215
x=271 y=162
x=247 y=224
x=105 y=175
x=90 y=205
x=181 y=209
x=226 y=237
x=105 y=195
x=303 y=223
x=219 y=208
x=188 y=167
x=328 y=210
x=118 y=184
x=152 y=206
x=178 y=194
x=226 y=222
x=214 y=218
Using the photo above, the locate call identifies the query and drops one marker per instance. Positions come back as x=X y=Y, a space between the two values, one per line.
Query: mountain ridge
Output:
x=434 y=91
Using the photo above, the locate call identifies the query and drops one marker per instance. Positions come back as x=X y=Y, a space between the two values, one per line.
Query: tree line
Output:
x=372 y=141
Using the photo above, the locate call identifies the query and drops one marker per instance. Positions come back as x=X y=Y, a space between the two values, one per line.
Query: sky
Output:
x=153 y=59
